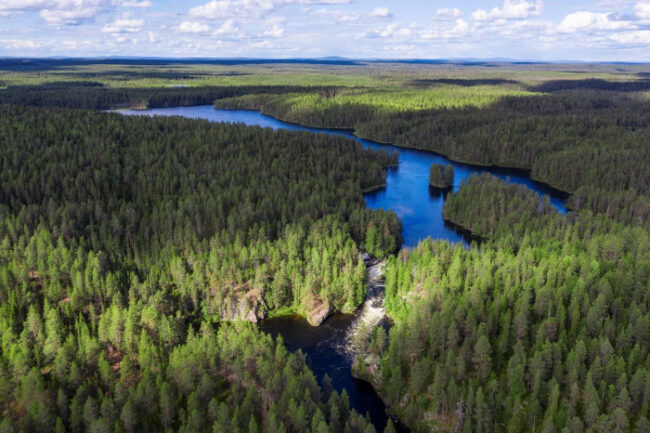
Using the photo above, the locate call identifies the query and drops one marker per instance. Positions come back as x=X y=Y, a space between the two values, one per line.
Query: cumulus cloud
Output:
x=321 y=2
x=381 y=12
x=389 y=31
x=588 y=21
x=275 y=32
x=57 y=12
x=20 y=44
x=193 y=27
x=227 y=28
x=642 y=10
x=447 y=30
x=124 y=25
x=448 y=13
x=69 y=17
x=24 y=5
x=348 y=18
x=639 y=37
x=377 y=14
x=240 y=27
x=461 y=27
x=136 y=4
x=220 y=9
x=511 y=10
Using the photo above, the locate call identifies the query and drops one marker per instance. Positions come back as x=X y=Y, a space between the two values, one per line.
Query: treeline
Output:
x=544 y=329
x=124 y=243
x=93 y=95
x=589 y=143
x=441 y=176
x=588 y=138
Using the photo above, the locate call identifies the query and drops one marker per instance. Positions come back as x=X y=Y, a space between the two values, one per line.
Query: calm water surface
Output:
x=418 y=207
x=407 y=192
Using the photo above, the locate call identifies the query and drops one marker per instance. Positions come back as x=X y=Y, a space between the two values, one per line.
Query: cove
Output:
x=419 y=208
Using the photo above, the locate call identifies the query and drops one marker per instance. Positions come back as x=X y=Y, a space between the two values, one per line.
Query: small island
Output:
x=441 y=176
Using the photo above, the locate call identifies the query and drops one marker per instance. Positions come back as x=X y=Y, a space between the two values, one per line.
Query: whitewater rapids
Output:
x=371 y=314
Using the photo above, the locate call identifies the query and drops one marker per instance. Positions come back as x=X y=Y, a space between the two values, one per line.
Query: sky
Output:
x=543 y=30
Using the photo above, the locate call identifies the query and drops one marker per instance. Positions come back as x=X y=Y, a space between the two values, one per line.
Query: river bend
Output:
x=419 y=208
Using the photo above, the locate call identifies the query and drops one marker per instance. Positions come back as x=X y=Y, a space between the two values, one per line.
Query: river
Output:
x=420 y=210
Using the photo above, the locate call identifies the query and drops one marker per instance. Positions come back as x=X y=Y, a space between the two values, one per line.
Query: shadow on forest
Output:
x=594 y=84
x=94 y=95
x=31 y=65
x=148 y=74
x=470 y=82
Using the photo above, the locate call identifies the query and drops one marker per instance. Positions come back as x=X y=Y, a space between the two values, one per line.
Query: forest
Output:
x=126 y=243
x=590 y=144
x=544 y=327
x=584 y=133
x=441 y=176
x=135 y=251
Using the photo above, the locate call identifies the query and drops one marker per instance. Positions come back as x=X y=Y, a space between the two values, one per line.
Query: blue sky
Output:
x=600 y=30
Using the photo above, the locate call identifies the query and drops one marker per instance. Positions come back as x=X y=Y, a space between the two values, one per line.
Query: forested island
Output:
x=135 y=251
x=441 y=176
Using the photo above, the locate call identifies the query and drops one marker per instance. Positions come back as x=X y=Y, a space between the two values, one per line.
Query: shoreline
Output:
x=547 y=186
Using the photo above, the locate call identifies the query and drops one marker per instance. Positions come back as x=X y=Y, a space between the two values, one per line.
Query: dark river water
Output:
x=418 y=207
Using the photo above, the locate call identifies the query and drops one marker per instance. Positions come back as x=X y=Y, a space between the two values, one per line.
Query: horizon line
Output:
x=332 y=59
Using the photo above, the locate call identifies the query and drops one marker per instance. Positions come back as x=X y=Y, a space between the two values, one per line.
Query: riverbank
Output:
x=523 y=171
x=408 y=194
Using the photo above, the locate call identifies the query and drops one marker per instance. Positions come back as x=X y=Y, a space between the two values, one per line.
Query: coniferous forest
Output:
x=543 y=328
x=126 y=244
x=441 y=176
x=137 y=253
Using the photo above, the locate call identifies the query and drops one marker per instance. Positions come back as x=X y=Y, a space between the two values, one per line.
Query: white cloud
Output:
x=73 y=12
x=275 y=32
x=193 y=27
x=124 y=25
x=348 y=18
x=389 y=31
x=136 y=4
x=447 y=31
x=378 y=14
x=227 y=28
x=381 y=12
x=587 y=21
x=57 y=12
x=639 y=37
x=69 y=17
x=24 y=5
x=642 y=10
x=603 y=29
x=461 y=27
x=448 y=13
x=321 y=2
x=20 y=44
x=220 y=9
x=511 y=10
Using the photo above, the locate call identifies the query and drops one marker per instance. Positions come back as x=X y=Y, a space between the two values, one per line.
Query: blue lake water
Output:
x=419 y=208
x=407 y=192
